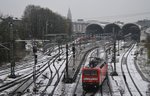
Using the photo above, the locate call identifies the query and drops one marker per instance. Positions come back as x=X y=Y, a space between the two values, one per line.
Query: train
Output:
x=94 y=74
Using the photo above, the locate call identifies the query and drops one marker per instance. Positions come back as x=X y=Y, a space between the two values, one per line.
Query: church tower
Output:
x=69 y=19
x=69 y=16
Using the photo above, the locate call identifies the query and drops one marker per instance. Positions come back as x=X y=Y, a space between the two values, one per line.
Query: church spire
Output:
x=69 y=16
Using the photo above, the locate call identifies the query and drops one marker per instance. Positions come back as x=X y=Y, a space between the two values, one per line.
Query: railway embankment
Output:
x=142 y=63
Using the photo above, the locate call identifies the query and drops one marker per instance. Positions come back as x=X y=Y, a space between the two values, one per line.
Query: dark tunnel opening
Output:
x=113 y=29
x=94 y=29
x=132 y=29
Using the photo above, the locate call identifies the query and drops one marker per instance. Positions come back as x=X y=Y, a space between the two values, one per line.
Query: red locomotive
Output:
x=94 y=74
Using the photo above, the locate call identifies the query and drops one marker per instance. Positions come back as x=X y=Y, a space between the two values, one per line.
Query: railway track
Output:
x=20 y=89
x=54 y=76
x=20 y=81
x=22 y=84
x=78 y=85
x=25 y=64
x=59 y=73
x=125 y=71
x=79 y=76
x=102 y=91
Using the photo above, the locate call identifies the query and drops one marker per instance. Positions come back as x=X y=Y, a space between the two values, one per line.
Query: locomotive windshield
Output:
x=95 y=61
x=90 y=72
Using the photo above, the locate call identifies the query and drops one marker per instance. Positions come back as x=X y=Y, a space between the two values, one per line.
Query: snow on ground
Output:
x=29 y=60
x=117 y=82
x=142 y=85
x=144 y=64
x=67 y=89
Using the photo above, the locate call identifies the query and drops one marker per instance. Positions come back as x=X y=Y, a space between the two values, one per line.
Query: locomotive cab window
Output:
x=90 y=72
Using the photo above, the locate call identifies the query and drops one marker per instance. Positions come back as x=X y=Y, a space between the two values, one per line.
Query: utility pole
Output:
x=46 y=30
x=66 y=77
x=118 y=48
x=119 y=36
x=73 y=50
x=97 y=52
x=59 y=51
x=58 y=40
x=34 y=67
x=114 y=73
x=12 y=41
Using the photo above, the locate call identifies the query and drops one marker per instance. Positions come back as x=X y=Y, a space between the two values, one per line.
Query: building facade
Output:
x=79 y=26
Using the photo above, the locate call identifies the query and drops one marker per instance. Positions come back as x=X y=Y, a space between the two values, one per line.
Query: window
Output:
x=90 y=72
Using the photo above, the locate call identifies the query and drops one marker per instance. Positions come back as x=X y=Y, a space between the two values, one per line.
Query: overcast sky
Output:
x=102 y=10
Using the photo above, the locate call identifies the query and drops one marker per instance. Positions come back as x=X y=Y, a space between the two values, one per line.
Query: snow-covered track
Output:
x=79 y=76
x=20 y=67
x=40 y=73
x=26 y=64
x=20 y=89
x=126 y=71
x=23 y=78
x=54 y=76
x=78 y=86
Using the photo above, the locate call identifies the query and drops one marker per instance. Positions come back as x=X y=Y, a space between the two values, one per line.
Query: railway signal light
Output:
x=73 y=50
x=34 y=49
